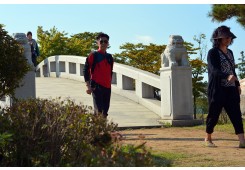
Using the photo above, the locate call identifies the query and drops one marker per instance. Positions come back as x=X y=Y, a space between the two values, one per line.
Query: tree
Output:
x=198 y=68
x=82 y=44
x=54 y=42
x=144 y=57
x=241 y=66
x=190 y=48
x=198 y=86
x=222 y=12
x=13 y=64
x=202 y=47
x=51 y=42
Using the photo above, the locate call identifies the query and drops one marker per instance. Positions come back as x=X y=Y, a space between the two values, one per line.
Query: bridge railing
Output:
x=127 y=81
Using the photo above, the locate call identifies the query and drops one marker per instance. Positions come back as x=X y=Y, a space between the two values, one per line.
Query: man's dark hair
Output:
x=101 y=34
x=29 y=33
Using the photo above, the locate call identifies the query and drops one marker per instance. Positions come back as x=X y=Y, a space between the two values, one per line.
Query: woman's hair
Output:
x=219 y=33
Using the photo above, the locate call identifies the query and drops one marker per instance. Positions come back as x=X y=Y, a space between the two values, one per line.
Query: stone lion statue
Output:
x=175 y=53
x=22 y=40
x=20 y=37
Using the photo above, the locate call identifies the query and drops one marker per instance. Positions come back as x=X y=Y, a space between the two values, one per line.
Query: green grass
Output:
x=166 y=159
x=171 y=159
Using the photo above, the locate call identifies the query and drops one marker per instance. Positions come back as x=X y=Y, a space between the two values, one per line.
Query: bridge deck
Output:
x=123 y=111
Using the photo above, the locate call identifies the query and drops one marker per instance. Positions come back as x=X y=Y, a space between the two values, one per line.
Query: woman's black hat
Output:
x=222 y=32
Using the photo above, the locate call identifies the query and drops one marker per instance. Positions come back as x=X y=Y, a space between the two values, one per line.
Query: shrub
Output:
x=13 y=64
x=44 y=132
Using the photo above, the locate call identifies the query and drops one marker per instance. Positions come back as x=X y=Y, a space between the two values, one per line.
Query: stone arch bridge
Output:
x=132 y=102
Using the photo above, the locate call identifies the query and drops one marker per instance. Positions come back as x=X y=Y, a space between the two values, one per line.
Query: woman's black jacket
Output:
x=215 y=75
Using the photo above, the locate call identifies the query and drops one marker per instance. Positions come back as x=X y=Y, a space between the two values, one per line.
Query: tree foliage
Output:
x=13 y=64
x=222 y=12
x=190 y=49
x=199 y=67
x=241 y=66
x=53 y=42
x=144 y=57
x=81 y=44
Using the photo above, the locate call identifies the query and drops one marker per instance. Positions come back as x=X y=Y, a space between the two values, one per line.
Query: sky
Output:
x=134 y=23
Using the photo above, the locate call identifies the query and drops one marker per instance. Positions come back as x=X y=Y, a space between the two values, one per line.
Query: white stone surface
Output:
x=27 y=90
x=123 y=111
x=176 y=83
x=5 y=102
x=175 y=53
x=242 y=103
x=176 y=93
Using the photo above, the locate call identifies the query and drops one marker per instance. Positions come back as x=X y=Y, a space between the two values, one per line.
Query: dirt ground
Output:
x=189 y=142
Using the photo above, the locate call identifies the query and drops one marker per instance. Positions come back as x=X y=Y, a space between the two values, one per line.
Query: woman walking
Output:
x=223 y=86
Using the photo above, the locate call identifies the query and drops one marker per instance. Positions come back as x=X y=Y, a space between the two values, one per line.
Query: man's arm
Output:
x=86 y=73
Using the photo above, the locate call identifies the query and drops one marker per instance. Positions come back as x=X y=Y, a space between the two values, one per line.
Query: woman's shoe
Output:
x=209 y=144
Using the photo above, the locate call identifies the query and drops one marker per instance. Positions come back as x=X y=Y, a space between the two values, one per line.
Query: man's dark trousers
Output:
x=101 y=99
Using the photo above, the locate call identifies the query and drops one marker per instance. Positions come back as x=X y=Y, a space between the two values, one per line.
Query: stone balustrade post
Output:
x=28 y=88
x=176 y=85
x=67 y=68
x=57 y=66
x=138 y=88
x=119 y=80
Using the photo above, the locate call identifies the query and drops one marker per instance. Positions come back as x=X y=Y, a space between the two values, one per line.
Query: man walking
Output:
x=98 y=75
